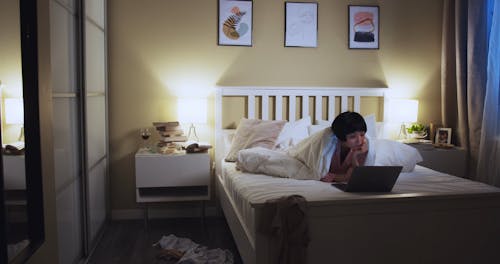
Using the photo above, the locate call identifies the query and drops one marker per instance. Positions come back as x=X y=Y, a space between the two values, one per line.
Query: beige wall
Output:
x=159 y=50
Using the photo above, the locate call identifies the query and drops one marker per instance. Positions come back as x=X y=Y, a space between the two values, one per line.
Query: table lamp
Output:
x=192 y=110
x=403 y=111
x=14 y=113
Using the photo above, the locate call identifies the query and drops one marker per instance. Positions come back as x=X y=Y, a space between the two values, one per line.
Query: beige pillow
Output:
x=254 y=133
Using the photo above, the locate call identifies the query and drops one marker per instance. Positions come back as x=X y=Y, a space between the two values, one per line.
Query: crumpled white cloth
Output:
x=195 y=253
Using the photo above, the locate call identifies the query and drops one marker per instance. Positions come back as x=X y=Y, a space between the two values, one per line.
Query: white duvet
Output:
x=310 y=159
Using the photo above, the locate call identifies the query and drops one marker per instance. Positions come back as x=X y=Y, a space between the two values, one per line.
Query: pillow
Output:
x=371 y=125
x=318 y=126
x=254 y=133
x=228 y=136
x=393 y=153
x=315 y=128
x=293 y=132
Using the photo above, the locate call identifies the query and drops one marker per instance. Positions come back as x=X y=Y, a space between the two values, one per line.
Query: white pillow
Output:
x=318 y=126
x=393 y=153
x=315 y=128
x=228 y=136
x=254 y=133
x=293 y=132
x=371 y=125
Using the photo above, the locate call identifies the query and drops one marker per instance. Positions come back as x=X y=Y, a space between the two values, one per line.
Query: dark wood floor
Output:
x=127 y=241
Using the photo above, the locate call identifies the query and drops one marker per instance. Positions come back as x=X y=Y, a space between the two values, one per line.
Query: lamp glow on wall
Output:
x=193 y=111
x=14 y=113
x=403 y=111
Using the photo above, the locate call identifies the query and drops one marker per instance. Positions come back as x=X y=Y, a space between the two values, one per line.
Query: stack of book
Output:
x=170 y=131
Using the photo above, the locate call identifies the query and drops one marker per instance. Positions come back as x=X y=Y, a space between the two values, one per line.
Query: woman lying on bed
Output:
x=350 y=146
x=330 y=154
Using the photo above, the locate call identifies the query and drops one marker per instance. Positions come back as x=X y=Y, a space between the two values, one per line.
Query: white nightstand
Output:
x=14 y=172
x=447 y=160
x=171 y=177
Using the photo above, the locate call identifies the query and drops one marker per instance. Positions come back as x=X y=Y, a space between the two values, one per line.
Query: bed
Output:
x=430 y=217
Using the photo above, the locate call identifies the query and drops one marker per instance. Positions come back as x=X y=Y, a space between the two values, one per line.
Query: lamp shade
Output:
x=403 y=110
x=14 y=111
x=192 y=110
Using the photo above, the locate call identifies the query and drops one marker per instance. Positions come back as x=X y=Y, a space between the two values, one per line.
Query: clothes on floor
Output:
x=194 y=253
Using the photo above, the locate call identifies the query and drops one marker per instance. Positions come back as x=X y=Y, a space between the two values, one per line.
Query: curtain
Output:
x=489 y=151
x=463 y=73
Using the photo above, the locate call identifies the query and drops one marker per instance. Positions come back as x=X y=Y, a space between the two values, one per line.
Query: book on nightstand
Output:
x=170 y=131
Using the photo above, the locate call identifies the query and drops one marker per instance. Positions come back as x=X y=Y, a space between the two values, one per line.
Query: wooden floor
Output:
x=127 y=241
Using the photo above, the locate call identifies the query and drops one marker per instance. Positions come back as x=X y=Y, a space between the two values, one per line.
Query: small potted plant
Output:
x=417 y=131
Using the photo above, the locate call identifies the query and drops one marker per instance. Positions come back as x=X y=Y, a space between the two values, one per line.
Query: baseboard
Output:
x=129 y=214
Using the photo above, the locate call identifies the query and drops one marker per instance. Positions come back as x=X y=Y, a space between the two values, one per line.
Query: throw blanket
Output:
x=308 y=160
x=284 y=221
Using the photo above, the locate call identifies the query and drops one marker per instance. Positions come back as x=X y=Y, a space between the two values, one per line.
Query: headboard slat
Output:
x=318 y=108
x=305 y=106
x=279 y=107
x=357 y=103
x=265 y=107
x=251 y=106
x=292 y=107
x=331 y=108
x=343 y=103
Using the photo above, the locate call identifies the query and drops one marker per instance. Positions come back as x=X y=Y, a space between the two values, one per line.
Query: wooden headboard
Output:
x=291 y=100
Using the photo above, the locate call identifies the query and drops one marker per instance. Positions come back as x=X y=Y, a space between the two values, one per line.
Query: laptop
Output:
x=371 y=179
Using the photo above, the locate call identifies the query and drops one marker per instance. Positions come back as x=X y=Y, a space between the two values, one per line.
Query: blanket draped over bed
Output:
x=284 y=221
x=308 y=160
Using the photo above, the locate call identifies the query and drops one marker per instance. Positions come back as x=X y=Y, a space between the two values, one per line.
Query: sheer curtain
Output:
x=488 y=170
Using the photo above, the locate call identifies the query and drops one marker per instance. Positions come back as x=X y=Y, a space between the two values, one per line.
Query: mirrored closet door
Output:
x=21 y=199
x=12 y=124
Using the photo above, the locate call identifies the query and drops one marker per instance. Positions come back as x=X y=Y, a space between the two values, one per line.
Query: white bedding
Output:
x=246 y=189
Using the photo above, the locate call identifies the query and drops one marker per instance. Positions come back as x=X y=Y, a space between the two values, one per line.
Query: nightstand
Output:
x=14 y=172
x=447 y=160
x=171 y=177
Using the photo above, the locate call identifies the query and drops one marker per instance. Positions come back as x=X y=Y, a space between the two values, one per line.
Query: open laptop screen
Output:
x=371 y=179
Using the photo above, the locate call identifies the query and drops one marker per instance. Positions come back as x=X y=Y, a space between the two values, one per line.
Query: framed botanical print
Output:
x=235 y=23
x=301 y=24
x=363 y=27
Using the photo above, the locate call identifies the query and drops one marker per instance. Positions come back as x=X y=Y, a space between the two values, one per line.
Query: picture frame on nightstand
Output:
x=443 y=136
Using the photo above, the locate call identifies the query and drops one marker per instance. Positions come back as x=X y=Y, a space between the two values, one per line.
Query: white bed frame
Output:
x=416 y=228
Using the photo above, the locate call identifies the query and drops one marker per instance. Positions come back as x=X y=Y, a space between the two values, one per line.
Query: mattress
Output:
x=246 y=189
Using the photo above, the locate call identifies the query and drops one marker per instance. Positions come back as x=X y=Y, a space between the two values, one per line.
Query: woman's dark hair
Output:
x=347 y=123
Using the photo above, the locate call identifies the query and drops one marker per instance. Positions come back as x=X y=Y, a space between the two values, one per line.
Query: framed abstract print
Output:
x=363 y=27
x=235 y=23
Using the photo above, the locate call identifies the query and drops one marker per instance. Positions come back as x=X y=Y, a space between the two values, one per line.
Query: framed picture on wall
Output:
x=363 y=27
x=235 y=23
x=443 y=136
x=301 y=24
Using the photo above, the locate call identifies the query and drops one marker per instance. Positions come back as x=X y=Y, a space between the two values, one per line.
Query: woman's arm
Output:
x=337 y=177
